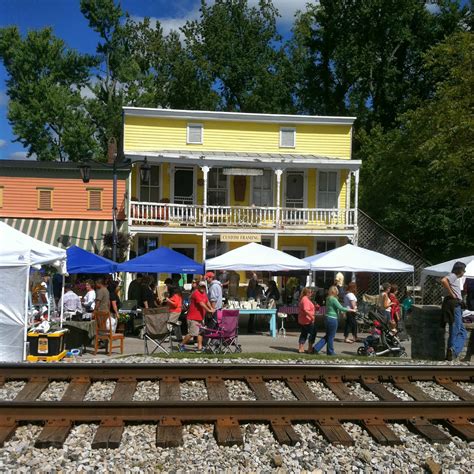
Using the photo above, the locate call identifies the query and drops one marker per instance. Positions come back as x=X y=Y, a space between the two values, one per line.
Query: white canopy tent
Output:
x=350 y=258
x=256 y=257
x=18 y=253
x=442 y=269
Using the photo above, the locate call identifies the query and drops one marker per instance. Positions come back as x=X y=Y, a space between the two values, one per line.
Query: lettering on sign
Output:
x=241 y=238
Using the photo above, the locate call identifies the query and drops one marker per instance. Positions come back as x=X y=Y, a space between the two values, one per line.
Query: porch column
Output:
x=278 y=174
x=348 y=190
x=205 y=172
x=356 y=196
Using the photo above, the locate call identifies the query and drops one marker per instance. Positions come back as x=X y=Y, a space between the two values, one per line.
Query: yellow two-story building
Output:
x=221 y=179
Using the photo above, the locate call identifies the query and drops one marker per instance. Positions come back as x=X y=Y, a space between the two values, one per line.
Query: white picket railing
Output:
x=150 y=213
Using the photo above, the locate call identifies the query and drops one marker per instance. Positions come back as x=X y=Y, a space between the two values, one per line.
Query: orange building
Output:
x=49 y=201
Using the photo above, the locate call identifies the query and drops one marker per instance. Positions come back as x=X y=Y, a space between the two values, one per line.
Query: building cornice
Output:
x=236 y=116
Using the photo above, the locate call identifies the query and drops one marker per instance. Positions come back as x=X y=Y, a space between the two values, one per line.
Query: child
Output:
x=371 y=341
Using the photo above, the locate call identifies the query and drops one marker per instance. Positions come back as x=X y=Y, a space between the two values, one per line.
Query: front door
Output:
x=294 y=189
x=184 y=186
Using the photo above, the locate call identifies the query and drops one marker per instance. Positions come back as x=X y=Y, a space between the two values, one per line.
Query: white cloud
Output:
x=21 y=155
x=2 y=143
x=286 y=8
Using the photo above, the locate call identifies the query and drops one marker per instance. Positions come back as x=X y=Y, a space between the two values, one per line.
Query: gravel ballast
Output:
x=260 y=451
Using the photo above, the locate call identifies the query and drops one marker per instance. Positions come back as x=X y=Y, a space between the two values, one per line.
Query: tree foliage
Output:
x=418 y=179
x=46 y=109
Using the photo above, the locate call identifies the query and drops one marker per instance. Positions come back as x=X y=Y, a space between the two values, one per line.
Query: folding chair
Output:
x=158 y=330
x=104 y=332
x=224 y=338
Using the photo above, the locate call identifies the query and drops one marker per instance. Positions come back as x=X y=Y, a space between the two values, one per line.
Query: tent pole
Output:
x=62 y=305
x=25 y=329
x=378 y=287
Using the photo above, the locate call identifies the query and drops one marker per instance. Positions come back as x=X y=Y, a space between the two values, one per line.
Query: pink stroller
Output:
x=223 y=339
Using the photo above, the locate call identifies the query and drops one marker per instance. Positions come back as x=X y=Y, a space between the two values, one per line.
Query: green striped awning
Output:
x=86 y=234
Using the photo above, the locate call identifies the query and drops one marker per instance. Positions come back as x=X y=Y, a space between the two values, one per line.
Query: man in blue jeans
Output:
x=452 y=311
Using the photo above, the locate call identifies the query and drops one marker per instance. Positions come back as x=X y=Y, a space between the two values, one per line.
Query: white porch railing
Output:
x=150 y=213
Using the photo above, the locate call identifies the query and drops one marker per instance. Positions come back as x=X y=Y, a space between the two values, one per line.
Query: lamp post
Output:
x=85 y=170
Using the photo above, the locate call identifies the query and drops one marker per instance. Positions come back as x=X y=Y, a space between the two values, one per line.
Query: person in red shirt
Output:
x=198 y=306
x=306 y=314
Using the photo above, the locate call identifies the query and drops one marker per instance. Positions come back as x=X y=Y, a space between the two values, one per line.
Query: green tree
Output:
x=366 y=58
x=46 y=109
x=418 y=179
x=237 y=48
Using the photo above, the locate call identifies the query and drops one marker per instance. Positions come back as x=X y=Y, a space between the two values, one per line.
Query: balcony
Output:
x=239 y=217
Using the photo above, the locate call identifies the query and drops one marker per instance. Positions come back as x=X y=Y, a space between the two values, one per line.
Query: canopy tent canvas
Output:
x=18 y=253
x=161 y=260
x=256 y=257
x=82 y=261
x=350 y=258
x=442 y=269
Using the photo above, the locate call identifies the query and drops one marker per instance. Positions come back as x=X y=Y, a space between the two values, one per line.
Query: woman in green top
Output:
x=333 y=307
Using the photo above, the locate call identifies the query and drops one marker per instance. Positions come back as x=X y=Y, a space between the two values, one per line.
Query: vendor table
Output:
x=271 y=312
x=81 y=333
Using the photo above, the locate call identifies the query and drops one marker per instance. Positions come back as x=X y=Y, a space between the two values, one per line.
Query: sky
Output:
x=65 y=17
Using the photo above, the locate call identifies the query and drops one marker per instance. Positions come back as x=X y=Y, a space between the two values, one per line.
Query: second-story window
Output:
x=217 y=192
x=327 y=190
x=45 y=199
x=94 y=199
x=194 y=133
x=150 y=192
x=287 y=137
x=262 y=189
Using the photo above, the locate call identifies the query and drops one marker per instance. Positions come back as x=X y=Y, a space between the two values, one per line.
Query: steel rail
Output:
x=231 y=371
x=152 y=411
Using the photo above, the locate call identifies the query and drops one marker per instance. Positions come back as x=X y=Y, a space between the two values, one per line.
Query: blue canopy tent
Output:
x=82 y=261
x=162 y=260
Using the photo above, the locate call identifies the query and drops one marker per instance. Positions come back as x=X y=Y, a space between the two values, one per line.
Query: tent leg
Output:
x=378 y=287
x=61 y=311
x=26 y=322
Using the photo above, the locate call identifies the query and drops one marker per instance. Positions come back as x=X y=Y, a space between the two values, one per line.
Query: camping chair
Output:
x=158 y=329
x=104 y=332
x=224 y=338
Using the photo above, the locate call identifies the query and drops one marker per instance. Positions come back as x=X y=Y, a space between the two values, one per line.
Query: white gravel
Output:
x=436 y=391
x=399 y=393
x=279 y=390
x=147 y=391
x=9 y=390
x=355 y=388
x=54 y=391
x=321 y=391
x=469 y=387
x=100 y=391
x=239 y=390
x=193 y=390
x=259 y=453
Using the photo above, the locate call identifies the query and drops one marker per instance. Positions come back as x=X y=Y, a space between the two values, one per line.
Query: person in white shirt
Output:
x=88 y=300
x=350 y=301
x=70 y=301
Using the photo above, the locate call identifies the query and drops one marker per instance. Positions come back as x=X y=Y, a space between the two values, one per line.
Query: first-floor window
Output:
x=147 y=244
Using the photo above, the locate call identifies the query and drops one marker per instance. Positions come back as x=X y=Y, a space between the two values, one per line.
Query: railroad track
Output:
x=170 y=412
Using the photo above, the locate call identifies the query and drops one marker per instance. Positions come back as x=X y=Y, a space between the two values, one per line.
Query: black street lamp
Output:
x=145 y=172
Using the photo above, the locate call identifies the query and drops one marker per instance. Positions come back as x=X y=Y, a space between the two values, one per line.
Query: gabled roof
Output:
x=236 y=116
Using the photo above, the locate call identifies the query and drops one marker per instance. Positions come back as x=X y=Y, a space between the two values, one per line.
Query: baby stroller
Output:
x=223 y=339
x=383 y=340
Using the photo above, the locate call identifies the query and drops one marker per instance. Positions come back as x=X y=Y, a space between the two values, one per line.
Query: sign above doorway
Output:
x=241 y=238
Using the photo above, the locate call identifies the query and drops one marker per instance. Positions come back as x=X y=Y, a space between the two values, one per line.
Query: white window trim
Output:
x=172 y=169
x=288 y=129
x=188 y=142
x=338 y=182
x=305 y=185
